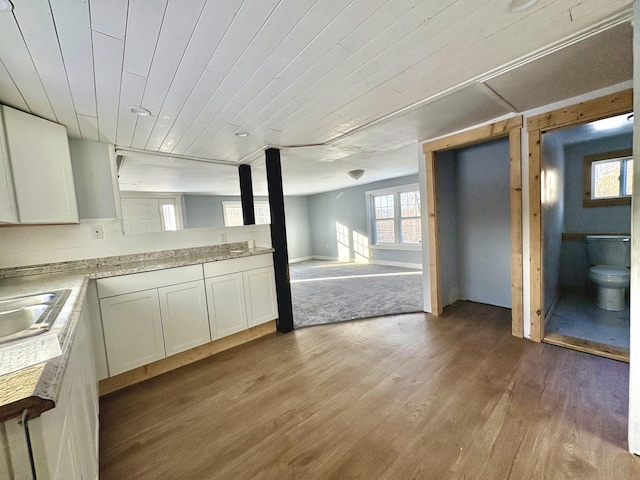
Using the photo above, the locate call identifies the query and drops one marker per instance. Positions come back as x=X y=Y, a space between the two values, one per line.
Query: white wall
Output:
x=448 y=226
x=202 y=211
x=634 y=364
x=484 y=222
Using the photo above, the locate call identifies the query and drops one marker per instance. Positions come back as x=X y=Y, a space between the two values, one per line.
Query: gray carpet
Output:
x=322 y=291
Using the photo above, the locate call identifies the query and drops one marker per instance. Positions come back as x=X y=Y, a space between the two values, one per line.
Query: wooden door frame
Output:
x=512 y=128
x=578 y=114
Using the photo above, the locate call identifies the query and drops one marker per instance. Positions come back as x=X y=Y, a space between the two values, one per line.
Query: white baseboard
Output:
x=372 y=262
x=321 y=257
x=397 y=264
x=300 y=259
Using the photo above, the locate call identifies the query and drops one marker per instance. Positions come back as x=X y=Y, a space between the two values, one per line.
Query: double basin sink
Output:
x=24 y=317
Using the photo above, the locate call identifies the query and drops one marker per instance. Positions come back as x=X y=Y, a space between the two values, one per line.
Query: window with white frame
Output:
x=394 y=216
x=608 y=179
x=232 y=212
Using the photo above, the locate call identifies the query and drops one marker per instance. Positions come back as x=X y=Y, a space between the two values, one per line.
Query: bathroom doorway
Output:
x=565 y=153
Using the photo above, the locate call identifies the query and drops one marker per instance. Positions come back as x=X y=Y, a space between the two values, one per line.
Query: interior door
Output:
x=141 y=215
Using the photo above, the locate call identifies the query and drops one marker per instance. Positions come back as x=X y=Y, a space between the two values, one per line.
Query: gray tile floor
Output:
x=576 y=315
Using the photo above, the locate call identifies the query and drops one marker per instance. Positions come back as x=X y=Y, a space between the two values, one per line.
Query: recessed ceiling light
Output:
x=141 y=112
x=6 y=6
x=519 y=5
x=242 y=134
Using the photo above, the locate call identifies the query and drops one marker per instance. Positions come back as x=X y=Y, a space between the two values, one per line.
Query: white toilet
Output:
x=610 y=256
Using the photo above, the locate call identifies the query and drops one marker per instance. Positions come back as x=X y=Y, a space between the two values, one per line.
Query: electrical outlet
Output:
x=223 y=237
x=97 y=232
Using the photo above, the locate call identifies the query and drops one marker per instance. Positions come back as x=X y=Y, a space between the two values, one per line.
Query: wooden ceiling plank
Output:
x=212 y=25
x=327 y=40
x=18 y=63
x=303 y=30
x=245 y=26
x=257 y=31
x=109 y=17
x=176 y=31
x=9 y=93
x=130 y=95
x=35 y=21
x=73 y=27
x=143 y=29
x=108 y=55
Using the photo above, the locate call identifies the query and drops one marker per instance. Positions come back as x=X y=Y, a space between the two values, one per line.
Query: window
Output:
x=233 y=213
x=147 y=213
x=394 y=216
x=608 y=179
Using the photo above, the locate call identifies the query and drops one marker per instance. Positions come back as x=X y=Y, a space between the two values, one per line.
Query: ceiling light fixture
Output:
x=355 y=174
x=242 y=134
x=520 y=5
x=6 y=6
x=141 y=112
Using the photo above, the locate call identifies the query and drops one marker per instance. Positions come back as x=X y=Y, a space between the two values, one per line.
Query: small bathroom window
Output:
x=608 y=179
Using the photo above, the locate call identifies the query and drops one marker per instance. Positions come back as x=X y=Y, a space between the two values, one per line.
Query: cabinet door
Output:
x=8 y=212
x=185 y=322
x=132 y=330
x=260 y=295
x=227 y=309
x=41 y=166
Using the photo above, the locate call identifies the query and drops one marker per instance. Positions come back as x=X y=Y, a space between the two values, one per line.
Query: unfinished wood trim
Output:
x=137 y=375
x=599 y=108
x=511 y=127
x=434 y=236
x=515 y=175
x=587 y=201
x=587 y=346
x=603 y=107
x=535 y=238
x=581 y=236
x=477 y=135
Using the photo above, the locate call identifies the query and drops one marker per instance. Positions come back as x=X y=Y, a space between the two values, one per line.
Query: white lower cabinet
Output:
x=227 y=308
x=144 y=326
x=241 y=294
x=183 y=309
x=132 y=330
x=148 y=316
x=260 y=289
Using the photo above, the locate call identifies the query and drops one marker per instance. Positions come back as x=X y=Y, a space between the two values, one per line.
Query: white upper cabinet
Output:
x=38 y=152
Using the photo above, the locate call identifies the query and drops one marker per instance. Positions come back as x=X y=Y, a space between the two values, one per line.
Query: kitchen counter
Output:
x=36 y=387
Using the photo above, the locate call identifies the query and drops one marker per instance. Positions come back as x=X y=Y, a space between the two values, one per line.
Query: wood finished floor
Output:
x=410 y=396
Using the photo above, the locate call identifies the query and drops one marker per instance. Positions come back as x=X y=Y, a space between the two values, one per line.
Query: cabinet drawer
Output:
x=136 y=282
x=224 y=267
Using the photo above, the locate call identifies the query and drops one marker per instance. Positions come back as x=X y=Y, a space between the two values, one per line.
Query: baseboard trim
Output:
x=300 y=259
x=417 y=266
x=397 y=264
x=137 y=375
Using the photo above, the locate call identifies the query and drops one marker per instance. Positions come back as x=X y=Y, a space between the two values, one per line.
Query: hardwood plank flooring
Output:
x=407 y=396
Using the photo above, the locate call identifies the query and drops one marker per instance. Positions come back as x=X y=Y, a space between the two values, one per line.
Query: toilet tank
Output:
x=609 y=250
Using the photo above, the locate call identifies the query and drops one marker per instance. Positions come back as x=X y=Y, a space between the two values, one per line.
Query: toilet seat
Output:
x=610 y=270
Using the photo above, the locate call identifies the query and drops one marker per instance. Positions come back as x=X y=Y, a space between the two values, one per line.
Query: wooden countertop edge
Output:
x=35 y=405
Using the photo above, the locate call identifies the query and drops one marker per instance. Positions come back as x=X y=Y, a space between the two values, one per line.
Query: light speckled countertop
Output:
x=36 y=387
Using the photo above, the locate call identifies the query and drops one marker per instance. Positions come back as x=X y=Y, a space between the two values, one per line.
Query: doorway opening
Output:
x=511 y=129
x=547 y=242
